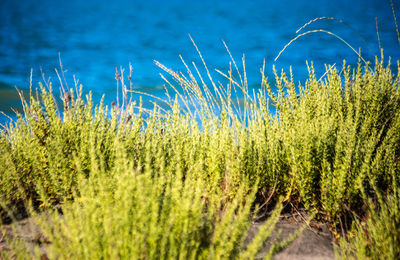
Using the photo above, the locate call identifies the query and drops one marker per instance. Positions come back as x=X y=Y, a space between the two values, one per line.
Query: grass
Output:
x=376 y=236
x=186 y=179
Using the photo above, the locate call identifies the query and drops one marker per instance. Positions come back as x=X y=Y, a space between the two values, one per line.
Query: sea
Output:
x=86 y=41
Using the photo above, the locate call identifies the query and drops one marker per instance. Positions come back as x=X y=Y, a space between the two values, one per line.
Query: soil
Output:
x=26 y=230
x=315 y=242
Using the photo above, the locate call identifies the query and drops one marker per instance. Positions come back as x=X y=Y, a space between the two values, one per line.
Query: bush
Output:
x=179 y=176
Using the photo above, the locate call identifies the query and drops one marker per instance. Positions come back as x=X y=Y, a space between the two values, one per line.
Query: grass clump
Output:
x=328 y=141
x=183 y=180
x=145 y=214
x=339 y=135
x=377 y=235
x=129 y=185
x=38 y=151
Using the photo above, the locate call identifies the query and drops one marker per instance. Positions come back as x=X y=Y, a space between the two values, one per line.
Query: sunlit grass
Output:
x=182 y=180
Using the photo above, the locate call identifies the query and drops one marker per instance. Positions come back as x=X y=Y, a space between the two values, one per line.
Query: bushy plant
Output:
x=38 y=150
x=377 y=234
x=178 y=176
x=141 y=213
x=339 y=133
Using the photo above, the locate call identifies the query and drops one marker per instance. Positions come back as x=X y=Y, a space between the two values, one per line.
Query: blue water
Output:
x=95 y=36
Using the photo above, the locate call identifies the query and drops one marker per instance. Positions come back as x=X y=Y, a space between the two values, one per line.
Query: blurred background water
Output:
x=96 y=36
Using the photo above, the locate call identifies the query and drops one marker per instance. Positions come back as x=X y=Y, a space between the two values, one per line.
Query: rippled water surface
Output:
x=94 y=37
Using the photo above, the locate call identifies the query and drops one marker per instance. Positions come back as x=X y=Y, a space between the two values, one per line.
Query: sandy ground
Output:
x=26 y=230
x=315 y=242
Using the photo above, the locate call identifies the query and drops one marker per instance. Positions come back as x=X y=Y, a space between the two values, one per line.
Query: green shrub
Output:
x=377 y=235
x=339 y=133
x=331 y=145
x=37 y=151
x=145 y=214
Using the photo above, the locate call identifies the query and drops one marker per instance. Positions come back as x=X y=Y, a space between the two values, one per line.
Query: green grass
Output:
x=185 y=178
x=376 y=236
